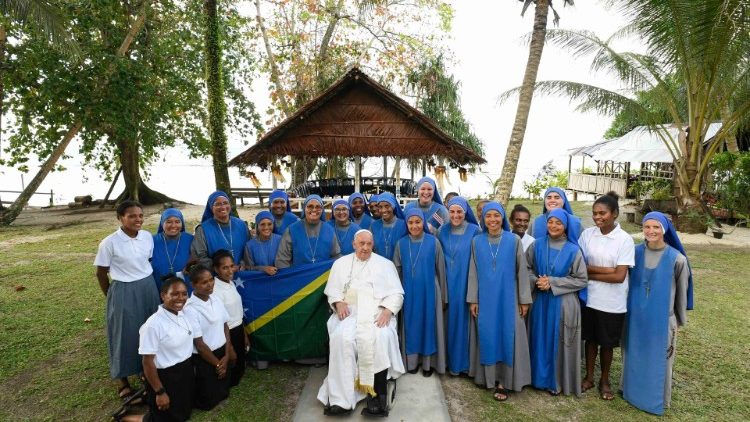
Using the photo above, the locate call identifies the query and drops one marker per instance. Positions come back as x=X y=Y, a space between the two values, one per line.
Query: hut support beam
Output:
x=385 y=171
x=357 y=174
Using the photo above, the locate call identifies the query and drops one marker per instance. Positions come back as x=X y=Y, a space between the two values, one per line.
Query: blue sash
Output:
x=345 y=236
x=457 y=252
x=280 y=226
x=418 y=278
x=179 y=257
x=646 y=339
x=387 y=237
x=264 y=253
x=498 y=298
x=544 y=321
x=313 y=249
x=218 y=237
x=365 y=221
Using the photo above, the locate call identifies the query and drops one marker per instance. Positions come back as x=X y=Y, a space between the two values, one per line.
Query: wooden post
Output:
x=397 y=170
x=424 y=167
x=385 y=171
x=357 y=174
x=51 y=200
x=570 y=165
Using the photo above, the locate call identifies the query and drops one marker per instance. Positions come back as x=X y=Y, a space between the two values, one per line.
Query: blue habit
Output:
x=279 y=226
x=232 y=238
x=387 y=237
x=345 y=236
x=457 y=251
x=170 y=256
x=307 y=250
x=498 y=298
x=263 y=253
x=365 y=221
x=544 y=321
x=646 y=339
x=418 y=278
x=435 y=216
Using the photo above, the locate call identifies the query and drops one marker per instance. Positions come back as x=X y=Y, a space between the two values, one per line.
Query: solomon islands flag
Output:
x=286 y=314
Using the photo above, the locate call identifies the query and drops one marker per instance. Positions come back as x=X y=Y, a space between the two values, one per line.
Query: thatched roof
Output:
x=356 y=116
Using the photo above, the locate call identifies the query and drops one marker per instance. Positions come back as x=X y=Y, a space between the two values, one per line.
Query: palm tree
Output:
x=701 y=44
x=513 y=152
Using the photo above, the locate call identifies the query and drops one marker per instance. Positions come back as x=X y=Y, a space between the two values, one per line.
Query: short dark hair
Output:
x=221 y=254
x=197 y=269
x=166 y=284
x=610 y=200
x=124 y=205
x=519 y=208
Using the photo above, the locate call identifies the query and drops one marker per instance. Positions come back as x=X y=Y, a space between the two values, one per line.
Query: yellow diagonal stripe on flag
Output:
x=284 y=306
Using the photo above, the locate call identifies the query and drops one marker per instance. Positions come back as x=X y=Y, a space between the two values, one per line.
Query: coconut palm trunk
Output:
x=513 y=152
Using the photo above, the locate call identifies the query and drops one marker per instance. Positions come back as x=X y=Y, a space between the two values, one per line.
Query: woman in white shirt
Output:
x=609 y=253
x=212 y=349
x=226 y=291
x=166 y=344
x=131 y=294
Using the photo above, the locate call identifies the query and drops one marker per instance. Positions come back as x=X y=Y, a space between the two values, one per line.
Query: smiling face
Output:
x=555 y=228
x=278 y=207
x=358 y=207
x=553 y=200
x=172 y=226
x=456 y=214
x=221 y=209
x=425 y=194
x=131 y=220
x=175 y=297
x=341 y=214
x=265 y=228
x=374 y=209
x=653 y=233
x=386 y=211
x=493 y=220
x=520 y=221
x=225 y=269
x=363 y=245
x=313 y=211
x=415 y=225
x=603 y=217
x=203 y=284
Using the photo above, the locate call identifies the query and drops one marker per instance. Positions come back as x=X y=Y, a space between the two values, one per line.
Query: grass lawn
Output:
x=53 y=364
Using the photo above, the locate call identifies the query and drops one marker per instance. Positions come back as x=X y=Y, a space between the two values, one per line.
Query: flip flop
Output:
x=586 y=385
x=501 y=391
x=606 y=395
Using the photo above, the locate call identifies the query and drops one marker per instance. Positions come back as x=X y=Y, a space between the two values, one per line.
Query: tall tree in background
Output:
x=703 y=45
x=216 y=104
x=308 y=45
x=513 y=152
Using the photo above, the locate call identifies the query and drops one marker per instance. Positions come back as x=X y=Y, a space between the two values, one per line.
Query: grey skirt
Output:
x=128 y=306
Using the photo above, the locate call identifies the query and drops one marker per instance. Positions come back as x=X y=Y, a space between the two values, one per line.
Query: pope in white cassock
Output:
x=365 y=292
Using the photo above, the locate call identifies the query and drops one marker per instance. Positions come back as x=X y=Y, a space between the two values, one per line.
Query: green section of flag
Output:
x=299 y=332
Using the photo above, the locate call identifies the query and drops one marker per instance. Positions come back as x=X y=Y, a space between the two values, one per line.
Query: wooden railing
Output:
x=599 y=185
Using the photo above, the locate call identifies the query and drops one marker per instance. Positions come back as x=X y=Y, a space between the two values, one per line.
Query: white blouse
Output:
x=227 y=293
x=207 y=319
x=608 y=250
x=168 y=336
x=127 y=257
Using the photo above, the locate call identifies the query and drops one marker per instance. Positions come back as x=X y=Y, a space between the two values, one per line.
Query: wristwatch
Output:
x=160 y=391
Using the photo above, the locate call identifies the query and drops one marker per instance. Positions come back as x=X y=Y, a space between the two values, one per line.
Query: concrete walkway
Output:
x=417 y=399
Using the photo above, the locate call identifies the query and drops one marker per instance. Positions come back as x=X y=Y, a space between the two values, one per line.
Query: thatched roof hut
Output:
x=356 y=117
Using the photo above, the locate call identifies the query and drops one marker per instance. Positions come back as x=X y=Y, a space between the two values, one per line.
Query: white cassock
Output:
x=359 y=348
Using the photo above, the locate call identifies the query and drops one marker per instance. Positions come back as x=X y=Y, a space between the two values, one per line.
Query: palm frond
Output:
x=46 y=17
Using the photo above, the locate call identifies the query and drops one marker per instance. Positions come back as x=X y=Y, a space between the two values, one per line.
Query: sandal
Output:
x=586 y=385
x=501 y=394
x=125 y=392
x=605 y=392
x=553 y=393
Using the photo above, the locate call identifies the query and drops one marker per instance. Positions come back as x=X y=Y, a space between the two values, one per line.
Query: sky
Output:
x=489 y=57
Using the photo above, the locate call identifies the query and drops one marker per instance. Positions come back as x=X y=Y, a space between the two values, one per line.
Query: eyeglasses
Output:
x=341 y=210
x=313 y=207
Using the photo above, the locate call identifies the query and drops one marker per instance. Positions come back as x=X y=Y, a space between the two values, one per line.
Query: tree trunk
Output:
x=513 y=152
x=275 y=74
x=216 y=106
x=135 y=187
x=3 y=43
x=10 y=215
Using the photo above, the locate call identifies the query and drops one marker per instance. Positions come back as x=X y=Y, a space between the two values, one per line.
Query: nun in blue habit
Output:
x=659 y=296
x=555 y=198
x=390 y=227
x=219 y=230
x=279 y=206
x=499 y=296
x=430 y=203
x=455 y=239
x=360 y=210
x=260 y=251
x=171 y=247
x=309 y=240
x=557 y=272
x=421 y=265
x=343 y=226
